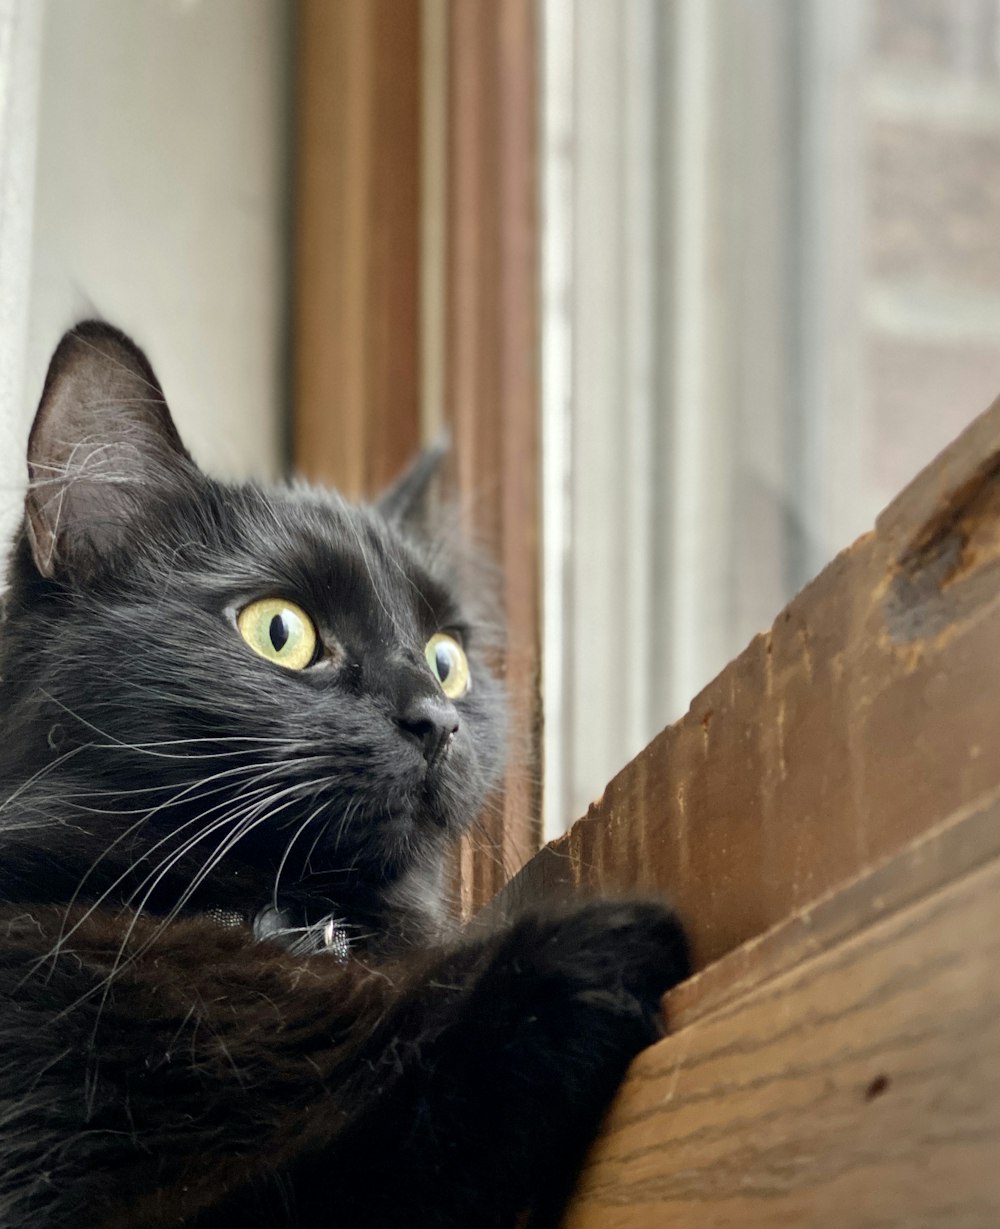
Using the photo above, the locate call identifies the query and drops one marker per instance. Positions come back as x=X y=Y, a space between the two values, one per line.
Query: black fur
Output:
x=159 y=1068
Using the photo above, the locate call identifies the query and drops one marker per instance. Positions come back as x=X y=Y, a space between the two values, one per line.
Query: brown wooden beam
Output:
x=356 y=351
x=864 y=717
x=491 y=358
x=861 y=1087
x=358 y=327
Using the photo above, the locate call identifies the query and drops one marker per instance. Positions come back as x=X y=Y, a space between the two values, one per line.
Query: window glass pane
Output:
x=772 y=294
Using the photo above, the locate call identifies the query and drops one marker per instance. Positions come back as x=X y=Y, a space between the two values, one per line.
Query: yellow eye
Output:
x=449 y=665
x=280 y=631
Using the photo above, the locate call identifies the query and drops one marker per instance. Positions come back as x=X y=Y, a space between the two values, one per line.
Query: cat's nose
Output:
x=432 y=721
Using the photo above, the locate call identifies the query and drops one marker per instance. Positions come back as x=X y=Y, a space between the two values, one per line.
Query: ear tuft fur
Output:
x=101 y=431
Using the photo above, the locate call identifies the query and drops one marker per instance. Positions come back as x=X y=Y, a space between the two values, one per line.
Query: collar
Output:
x=329 y=935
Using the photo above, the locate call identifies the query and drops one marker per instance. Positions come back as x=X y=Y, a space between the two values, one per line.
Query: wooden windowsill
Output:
x=826 y=818
x=865 y=717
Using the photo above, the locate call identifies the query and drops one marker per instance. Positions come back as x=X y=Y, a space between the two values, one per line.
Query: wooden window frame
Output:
x=363 y=317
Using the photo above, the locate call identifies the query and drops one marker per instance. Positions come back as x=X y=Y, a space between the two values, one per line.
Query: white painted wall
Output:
x=20 y=55
x=160 y=205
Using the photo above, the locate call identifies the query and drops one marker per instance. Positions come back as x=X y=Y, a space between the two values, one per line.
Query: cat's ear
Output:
x=101 y=437
x=408 y=501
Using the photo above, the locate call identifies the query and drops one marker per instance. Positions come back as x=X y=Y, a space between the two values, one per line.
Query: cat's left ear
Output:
x=102 y=436
x=408 y=501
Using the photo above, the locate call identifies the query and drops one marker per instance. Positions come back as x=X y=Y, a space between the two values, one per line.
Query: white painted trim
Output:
x=691 y=477
x=556 y=28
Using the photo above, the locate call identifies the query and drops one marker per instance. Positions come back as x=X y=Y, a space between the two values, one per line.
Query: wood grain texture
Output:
x=491 y=375
x=864 y=717
x=356 y=347
x=860 y=1089
x=950 y=849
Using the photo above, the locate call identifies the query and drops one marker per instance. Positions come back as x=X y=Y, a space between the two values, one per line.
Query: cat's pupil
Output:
x=443 y=661
x=278 y=631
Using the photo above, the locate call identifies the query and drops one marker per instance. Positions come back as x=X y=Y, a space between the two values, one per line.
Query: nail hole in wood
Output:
x=877 y=1087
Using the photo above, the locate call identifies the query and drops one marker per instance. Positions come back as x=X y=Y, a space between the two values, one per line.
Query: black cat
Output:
x=241 y=727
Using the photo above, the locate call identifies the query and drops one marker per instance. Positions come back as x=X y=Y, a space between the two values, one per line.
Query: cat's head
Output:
x=218 y=695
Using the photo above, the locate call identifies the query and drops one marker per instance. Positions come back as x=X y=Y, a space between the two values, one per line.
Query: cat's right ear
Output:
x=409 y=500
x=101 y=437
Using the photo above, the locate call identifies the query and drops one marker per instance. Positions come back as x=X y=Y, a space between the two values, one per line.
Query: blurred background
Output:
x=698 y=285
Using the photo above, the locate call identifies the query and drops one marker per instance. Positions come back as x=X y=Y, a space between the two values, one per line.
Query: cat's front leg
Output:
x=498 y=1090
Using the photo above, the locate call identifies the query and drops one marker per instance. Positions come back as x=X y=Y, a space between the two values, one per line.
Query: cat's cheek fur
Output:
x=166 y=795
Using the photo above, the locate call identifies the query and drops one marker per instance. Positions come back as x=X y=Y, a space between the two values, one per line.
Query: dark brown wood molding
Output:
x=491 y=380
x=356 y=349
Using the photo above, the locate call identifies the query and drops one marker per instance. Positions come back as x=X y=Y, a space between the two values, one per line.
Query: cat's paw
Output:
x=537 y=1027
x=598 y=969
x=629 y=947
